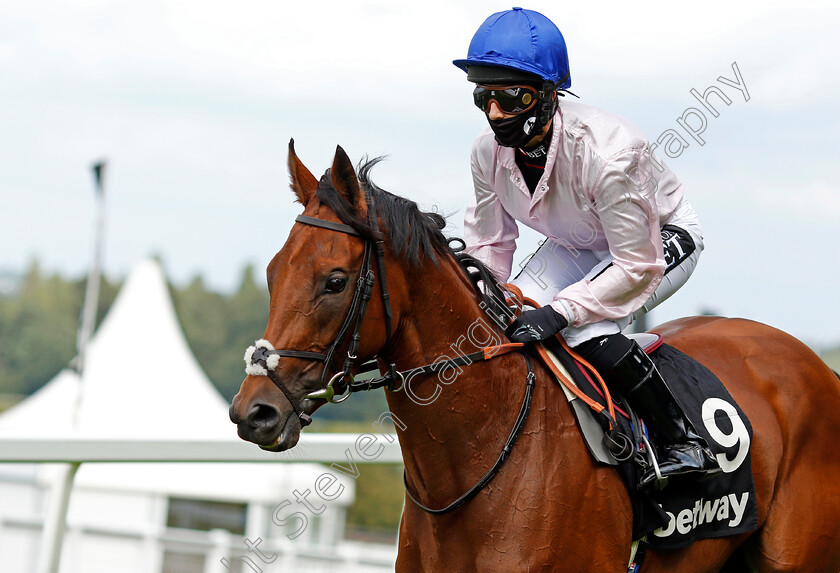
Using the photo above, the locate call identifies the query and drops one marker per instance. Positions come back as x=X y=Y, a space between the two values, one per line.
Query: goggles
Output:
x=511 y=99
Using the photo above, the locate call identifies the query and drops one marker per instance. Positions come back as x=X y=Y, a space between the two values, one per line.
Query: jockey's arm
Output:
x=489 y=230
x=628 y=215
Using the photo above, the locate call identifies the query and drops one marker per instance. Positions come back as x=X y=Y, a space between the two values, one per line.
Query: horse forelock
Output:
x=411 y=233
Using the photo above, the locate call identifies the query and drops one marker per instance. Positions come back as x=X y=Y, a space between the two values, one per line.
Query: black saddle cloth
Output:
x=687 y=510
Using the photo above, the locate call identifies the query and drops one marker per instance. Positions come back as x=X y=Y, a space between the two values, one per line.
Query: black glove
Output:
x=537 y=324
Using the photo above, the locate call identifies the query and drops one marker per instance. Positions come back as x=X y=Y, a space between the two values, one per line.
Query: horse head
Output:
x=330 y=306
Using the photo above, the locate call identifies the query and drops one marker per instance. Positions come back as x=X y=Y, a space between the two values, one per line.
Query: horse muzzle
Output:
x=265 y=425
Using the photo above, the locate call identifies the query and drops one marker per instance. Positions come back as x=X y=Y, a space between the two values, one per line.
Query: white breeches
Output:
x=554 y=267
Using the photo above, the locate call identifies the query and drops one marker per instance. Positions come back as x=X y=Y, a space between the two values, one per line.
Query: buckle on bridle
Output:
x=328 y=392
x=393 y=374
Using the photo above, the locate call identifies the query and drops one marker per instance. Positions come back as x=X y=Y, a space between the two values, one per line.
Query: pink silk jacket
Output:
x=602 y=190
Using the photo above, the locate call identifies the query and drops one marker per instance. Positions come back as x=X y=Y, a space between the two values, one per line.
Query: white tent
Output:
x=140 y=381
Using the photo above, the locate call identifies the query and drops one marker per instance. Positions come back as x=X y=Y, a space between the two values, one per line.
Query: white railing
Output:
x=219 y=551
x=324 y=448
x=82 y=449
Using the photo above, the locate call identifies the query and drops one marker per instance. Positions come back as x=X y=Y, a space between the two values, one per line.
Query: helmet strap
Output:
x=547 y=106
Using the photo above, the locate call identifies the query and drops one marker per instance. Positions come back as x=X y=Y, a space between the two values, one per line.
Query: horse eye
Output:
x=335 y=284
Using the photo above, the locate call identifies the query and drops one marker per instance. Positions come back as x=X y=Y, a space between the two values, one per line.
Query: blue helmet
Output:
x=522 y=41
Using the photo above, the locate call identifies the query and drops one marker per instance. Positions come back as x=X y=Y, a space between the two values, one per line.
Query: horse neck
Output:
x=442 y=318
x=466 y=425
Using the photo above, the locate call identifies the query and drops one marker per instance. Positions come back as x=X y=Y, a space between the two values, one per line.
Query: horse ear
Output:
x=304 y=183
x=345 y=181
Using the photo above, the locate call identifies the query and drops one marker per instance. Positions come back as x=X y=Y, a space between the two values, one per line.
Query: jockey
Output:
x=620 y=235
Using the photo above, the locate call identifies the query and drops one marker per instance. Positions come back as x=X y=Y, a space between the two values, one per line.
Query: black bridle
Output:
x=262 y=359
x=259 y=360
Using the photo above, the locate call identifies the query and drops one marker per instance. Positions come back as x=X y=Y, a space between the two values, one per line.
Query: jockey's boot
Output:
x=683 y=451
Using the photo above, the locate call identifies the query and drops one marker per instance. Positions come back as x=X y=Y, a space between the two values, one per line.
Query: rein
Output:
x=262 y=358
x=518 y=426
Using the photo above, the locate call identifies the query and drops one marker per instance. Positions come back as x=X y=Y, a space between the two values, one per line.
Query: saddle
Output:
x=683 y=511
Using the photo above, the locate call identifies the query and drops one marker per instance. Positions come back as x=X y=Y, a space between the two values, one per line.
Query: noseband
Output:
x=262 y=359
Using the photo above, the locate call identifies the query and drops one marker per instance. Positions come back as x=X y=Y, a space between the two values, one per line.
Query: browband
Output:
x=340 y=227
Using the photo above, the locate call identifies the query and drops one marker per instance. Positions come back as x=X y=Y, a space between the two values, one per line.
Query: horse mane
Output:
x=413 y=233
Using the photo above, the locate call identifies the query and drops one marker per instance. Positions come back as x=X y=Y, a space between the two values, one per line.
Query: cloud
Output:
x=194 y=103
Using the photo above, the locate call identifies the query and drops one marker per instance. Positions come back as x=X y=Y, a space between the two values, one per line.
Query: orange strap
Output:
x=571 y=386
x=491 y=351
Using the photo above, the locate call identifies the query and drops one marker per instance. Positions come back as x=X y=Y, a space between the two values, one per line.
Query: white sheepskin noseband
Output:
x=256 y=369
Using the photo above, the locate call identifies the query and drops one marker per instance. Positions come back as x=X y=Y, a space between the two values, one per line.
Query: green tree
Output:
x=38 y=328
x=832 y=358
x=379 y=499
x=219 y=328
x=247 y=318
x=203 y=317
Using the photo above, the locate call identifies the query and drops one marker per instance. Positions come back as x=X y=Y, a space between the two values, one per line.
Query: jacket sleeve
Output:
x=489 y=230
x=624 y=200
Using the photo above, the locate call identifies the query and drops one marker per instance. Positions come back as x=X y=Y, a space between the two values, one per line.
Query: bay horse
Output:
x=550 y=507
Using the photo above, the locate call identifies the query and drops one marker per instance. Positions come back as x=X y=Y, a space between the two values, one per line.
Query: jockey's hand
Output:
x=537 y=324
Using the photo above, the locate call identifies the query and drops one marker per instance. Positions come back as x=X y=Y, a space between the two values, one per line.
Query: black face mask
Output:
x=515 y=131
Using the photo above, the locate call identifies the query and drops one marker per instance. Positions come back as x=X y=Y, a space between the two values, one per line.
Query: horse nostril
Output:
x=262 y=415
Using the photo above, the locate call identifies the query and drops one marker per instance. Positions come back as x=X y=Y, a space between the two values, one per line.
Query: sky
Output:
x=193 y=104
